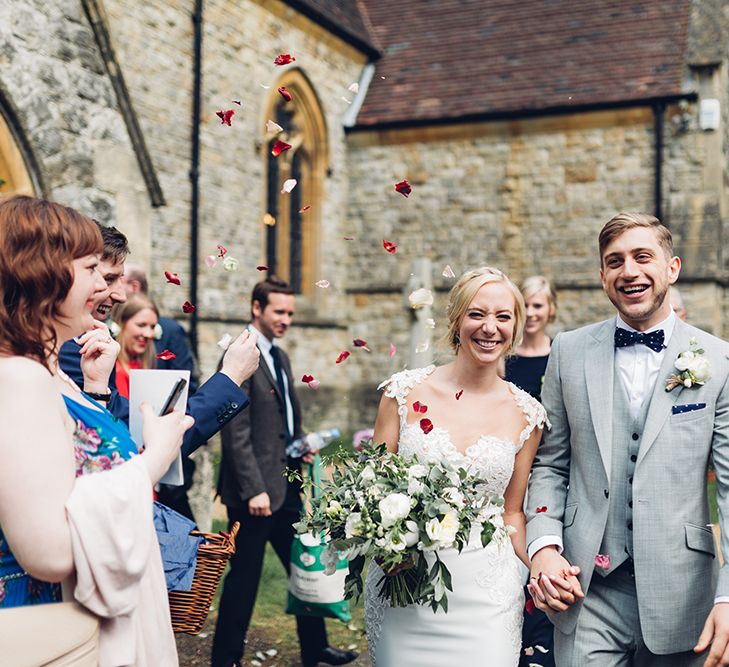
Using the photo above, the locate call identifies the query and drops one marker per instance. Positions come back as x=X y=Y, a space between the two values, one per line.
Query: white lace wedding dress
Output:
x=483 y=623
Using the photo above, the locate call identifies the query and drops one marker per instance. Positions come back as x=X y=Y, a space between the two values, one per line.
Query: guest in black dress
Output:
x=526 y=370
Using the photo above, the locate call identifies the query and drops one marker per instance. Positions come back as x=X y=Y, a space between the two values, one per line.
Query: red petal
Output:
x=285 y=94
x=187 y=307
x=358 y=342
x=284 y=59
x=426 y=425
x=390 y=247
x=349 y=238
x=307 y=378
x=529 y=607
x=172 y=278
x=166 y=355
x=342 y=356
x=403 y=187
x=541 y=509
x=305 y=208
x=222 y=251
x=420 y=407
x=459 y=393
x=261 y=267
x=279 y=147
x=225 y=116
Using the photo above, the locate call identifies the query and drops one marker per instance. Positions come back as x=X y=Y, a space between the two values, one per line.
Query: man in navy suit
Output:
x=212 y=406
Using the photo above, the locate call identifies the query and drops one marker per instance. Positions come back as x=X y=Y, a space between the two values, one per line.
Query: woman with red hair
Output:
x=93 y=533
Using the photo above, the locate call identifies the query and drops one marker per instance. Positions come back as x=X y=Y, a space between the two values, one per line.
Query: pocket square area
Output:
x=687 y=407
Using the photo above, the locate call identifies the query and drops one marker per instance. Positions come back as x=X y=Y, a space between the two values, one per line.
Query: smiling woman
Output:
x=137 y=319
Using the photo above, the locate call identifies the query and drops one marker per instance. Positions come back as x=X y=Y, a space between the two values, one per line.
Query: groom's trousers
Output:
x=608 y=632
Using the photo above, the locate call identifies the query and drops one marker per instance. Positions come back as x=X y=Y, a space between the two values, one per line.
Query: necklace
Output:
x=68 y=380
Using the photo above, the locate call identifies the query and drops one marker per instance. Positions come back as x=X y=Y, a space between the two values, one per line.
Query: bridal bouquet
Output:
x=394 y=510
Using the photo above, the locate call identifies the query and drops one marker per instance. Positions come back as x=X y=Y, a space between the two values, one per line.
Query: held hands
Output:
x=716 y=634
x=241 y=358
x=553 y=583
x=260 y=505
x=98 y=356
x=162 y=439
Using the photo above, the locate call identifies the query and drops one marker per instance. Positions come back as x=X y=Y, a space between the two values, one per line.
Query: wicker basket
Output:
x=189 y=609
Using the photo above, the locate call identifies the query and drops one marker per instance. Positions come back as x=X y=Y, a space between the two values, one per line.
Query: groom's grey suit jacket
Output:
x=673 y=548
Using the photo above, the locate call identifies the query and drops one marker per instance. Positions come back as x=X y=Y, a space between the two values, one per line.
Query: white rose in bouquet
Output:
x=453 y=496
x=415 y=486
x=394 y=508
x=368 y=475
x=449 y=526
x=417 y=471
x=333 y=509
x=433 y=530
x=412 y=535
x=353 y=525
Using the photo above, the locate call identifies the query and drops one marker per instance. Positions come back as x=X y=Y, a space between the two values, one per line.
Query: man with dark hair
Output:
x=254 y=489
x=214 y=404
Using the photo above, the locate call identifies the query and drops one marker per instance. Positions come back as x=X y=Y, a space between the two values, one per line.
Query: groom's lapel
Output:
x=599 y=376
x=661 y=402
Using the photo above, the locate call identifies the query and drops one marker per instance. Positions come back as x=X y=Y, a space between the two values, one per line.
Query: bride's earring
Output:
x=457 y=340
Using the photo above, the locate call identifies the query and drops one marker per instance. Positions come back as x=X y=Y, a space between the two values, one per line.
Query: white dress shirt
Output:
x=265 y=345
x=638 y=367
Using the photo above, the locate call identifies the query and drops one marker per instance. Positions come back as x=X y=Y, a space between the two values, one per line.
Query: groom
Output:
x=623 y=556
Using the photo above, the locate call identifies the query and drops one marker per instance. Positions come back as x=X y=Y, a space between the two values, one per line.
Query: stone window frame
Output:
x=16 y=177
x=305 y=129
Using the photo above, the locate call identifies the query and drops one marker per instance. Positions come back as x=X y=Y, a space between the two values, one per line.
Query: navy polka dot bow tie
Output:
x=653 y=340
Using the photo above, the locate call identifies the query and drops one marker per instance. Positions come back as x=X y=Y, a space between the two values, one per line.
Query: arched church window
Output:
x=293 y=216
x=14 y=174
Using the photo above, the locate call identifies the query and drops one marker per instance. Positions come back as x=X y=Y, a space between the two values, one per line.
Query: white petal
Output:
x=210 y=261
x=273 y=128
x=353 y=88
x=421 y=297
x=289 y=185
x=324 y=284
x=225 y=341
x=422 y=347
x=448 y=272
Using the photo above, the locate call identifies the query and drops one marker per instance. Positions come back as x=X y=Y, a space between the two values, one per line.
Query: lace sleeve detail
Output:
x=399 y=385
x=534 y=412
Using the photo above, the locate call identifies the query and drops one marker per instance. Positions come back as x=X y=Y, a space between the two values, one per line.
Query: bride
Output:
x=493 y=427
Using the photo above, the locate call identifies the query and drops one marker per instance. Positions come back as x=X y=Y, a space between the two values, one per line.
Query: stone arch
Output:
x=292 y=243
x=19 y=172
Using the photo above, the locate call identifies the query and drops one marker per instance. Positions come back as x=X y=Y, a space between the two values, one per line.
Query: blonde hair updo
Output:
x=463 y=293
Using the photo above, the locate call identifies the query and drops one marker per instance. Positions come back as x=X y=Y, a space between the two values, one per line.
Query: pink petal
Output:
x=210 y=261
x=393 y=350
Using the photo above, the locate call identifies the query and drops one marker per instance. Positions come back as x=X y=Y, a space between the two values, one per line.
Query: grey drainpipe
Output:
x=197 y=20
x=659 y=113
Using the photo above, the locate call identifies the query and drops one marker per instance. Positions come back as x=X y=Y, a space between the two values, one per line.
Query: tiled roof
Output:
x=450 y=59
x=344 y=18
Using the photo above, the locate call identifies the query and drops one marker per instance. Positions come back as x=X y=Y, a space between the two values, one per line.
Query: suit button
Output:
x=281 y=435
x=233 y=406
x=606 y=492
x=630 y=480
x=635 y=436
x=633 y=458
x=630 y=525
x=630 y=503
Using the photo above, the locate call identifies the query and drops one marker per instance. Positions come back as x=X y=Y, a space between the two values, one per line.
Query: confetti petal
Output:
x=172 y=278
x=529 y=607
x=529 y=650
x=314 y=384
x=273 y=128
x=304 y=209
x=353 y=88
x=187 y=307
x=269 y=220
x=306 y=378
x=285 y=94
x=430 y=323
x=230 y=264
x=541 y=649
x=222 y=251
x=342 y=356
x=420 y=407
x=541 y=509
x=288 y=185
x=390 y=247
x=422 y=347
x=459 y=393
x=393 y=350
x=225 y=341
x=324 y=284
x=279 y=147
x=166 y=355
x=602 y=561
x=448 y=272
x=420 y=298
x=238 y=102
x=349 y=238
x=225 y=116
x=426 y=425
x=403 y=187
x=284 y=59
x=262 y=267
x=210 y=261
x=358 y=342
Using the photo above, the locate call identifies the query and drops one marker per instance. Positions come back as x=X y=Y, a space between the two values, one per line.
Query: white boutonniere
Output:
x=114 y=328
x=157 y=331
x=693 y=368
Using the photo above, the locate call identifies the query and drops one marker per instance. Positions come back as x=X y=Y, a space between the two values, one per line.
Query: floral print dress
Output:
x=100 y=442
